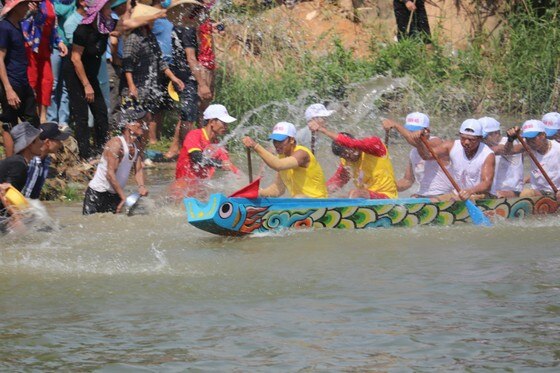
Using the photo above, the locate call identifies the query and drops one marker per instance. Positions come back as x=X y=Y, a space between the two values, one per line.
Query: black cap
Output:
x=52 y=131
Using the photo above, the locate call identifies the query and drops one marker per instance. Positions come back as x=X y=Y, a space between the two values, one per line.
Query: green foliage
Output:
x=515 y=71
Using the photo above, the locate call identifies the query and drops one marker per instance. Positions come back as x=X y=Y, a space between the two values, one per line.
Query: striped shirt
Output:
x=37 y=173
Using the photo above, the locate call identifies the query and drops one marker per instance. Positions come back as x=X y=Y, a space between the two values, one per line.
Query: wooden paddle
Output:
x=537 y=163
x=313 y=140
x=476 y=214
x=387 y=138
x=249 y=165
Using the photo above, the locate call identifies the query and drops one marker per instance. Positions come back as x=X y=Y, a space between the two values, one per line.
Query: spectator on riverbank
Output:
x=16 y=95
x=88 y=52
x=143 y=65
x=412 y=19
x=184 y=44
x=105 y=192
x=38 y=169
x=59 y=109
x=40 y=31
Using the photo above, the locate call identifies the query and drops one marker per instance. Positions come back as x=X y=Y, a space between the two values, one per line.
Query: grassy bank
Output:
x=516 y=71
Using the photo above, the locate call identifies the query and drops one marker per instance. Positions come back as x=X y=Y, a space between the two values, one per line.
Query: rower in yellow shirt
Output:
x=364 y=161
x=297 y=167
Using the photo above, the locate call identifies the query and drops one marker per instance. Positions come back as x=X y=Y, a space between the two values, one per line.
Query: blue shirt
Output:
x=162 y=30
x=71 y=25
x=11 y=39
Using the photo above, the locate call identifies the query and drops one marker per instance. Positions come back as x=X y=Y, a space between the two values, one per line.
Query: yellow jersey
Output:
x=308 y=181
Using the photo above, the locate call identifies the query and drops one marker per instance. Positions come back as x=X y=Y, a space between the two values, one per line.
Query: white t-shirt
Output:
x=550 y=162
x=467 y=172
x=508 y=173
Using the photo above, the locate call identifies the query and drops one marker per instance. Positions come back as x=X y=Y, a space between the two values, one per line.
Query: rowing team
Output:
x=480 y=164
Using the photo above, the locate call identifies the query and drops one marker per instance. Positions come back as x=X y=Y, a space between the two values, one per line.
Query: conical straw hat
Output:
x=185 y=12
x=141 y=10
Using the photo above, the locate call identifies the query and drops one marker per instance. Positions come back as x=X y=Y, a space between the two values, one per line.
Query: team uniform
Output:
x=508 y=175
x=431 y=179
x=373 y=171
x=308 y=181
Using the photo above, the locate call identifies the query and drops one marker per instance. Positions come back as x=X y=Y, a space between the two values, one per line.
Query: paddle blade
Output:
x=249 y=191
x=477 y=215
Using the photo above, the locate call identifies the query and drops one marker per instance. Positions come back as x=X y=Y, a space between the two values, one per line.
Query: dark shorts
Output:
x=188 y=100
x=99 y=202
x=27 y=110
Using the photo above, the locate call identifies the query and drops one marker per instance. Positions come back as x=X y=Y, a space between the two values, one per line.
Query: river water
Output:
x=111 y=293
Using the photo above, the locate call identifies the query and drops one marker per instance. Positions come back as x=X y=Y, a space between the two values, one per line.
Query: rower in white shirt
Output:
x=508 y=173
x=431 y=180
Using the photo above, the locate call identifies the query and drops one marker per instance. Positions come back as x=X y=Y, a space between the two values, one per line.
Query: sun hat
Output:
x=551 y=123
x=216 y=111
x=489 y=124
x=23 y=134
x=52 y=131
x=183 y=12
x=142 y=10
x=131 y=115
x=283 y=130
x=317 y=110
x=116 y=3
x=11 y=4
x=416 y=121
x=172 y=92
x=531 y=128
x=15 y=199
x=471 y=127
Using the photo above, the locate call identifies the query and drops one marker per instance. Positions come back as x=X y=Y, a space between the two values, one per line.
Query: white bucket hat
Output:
x=317 y=110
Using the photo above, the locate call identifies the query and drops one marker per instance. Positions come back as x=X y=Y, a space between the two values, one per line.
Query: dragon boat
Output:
x=234 y=216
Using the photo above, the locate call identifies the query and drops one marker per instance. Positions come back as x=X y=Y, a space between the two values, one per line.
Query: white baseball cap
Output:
x=283 y=130
x=489 y=125
x=219 y=112
x=471 y=127
x=531 y=128
x=551 y=123
x=317 y=110
x=416 y=121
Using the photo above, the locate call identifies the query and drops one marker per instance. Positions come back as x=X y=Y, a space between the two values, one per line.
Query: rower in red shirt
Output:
x=364 y=161
x=199 y=157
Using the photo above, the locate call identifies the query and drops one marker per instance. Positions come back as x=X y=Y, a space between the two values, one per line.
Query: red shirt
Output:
x=370 y=145
x=206 y=55
x=196 y=140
